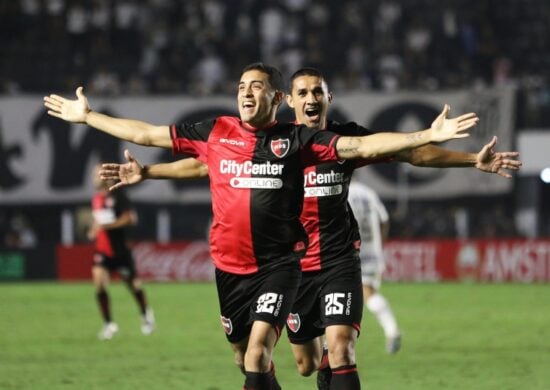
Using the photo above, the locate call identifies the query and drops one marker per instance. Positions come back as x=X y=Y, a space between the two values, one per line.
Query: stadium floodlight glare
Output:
x=545 y=175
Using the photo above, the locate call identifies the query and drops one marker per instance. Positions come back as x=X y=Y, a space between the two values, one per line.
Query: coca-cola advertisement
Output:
x=506 y=260
x=175 y=261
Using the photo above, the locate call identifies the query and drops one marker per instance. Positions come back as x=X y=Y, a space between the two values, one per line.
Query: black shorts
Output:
x=123 y=264
x=263 y=296
x=327 y=297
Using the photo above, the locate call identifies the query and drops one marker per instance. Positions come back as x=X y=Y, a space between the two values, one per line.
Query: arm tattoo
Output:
x=350 y=149
x=414 y=137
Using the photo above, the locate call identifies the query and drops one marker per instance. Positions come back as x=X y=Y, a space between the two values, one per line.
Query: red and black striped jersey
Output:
x=256 y=181
x=106 y=208
x=332 y=229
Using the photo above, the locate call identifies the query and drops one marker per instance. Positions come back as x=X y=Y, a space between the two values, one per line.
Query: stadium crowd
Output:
x=198 y=46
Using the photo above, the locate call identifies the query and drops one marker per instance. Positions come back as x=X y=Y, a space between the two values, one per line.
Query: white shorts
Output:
x=372 y=269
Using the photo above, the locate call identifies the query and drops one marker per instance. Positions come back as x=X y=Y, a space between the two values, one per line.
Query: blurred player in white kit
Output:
x=373 y=220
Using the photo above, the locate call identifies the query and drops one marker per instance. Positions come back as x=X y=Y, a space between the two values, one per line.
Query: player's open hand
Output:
x=444 y=129
x=125 y=174
x=496 y=162
x=68 y=110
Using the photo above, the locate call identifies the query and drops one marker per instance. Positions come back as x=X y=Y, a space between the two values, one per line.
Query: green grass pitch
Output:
x=455 y=336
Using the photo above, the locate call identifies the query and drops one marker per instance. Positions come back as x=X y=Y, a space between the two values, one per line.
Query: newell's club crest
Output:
x=227 y=325
x=293 y=322
x=280 y=147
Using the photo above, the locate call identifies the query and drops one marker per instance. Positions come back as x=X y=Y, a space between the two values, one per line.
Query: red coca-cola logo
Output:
x=180 y=261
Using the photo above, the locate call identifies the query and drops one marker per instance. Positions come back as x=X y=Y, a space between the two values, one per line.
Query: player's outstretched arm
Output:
x=79 y=111
x=133 y=172
x=487 y=160
x=382 y=144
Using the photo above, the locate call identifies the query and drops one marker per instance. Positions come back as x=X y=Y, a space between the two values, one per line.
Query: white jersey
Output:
x=370 y=213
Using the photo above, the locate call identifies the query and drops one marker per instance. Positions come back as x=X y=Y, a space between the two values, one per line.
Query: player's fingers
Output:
x=80 y=93
x=512 y=164
x=504 y=174
x=55 y=113
x=57 y=98
x=106 y=175
x=116 y=186
x=443 y=114
x=493 y=142
x=461 y=135
x=509 y=154
x=110 y=166
x=52 y=106
x=466 y=125
x=128 y=156
x=49 y=100
x=470 y=115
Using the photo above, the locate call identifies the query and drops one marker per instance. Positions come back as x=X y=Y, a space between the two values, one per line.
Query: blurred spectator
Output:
x=19 y=233
x=358 y=44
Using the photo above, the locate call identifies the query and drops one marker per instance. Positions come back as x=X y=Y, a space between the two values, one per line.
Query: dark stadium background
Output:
x=197 y=48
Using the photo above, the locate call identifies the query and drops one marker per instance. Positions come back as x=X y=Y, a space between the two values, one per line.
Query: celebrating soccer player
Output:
x=256 y=176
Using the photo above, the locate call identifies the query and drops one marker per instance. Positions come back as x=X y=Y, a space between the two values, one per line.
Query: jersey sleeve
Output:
x=318 y=146
x=191 y=139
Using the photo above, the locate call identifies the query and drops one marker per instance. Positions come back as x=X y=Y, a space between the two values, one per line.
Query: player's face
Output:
x=310 y=99
x=257 y=99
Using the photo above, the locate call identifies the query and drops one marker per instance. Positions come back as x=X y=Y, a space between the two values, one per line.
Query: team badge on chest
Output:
x=280 y=147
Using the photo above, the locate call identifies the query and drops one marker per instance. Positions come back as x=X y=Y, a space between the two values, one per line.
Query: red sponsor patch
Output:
x=280 y=147
x=227 y=325
x=293 y=322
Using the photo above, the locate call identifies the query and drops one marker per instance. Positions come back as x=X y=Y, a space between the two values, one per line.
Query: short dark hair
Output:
x=275 y=75
x=306 y=71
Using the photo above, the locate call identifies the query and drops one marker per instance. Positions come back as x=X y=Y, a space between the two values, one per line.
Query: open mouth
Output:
x=312 y=113
x=248 y=106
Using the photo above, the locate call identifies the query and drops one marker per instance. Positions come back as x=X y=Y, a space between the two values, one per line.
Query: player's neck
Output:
x=321 y=126
x=265 y=125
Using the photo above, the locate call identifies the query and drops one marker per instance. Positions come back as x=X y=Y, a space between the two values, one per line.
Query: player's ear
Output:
x=278 y=98
x=330 y=97
x=289 y=100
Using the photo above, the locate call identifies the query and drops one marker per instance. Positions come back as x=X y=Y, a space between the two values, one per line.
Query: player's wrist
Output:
x=87 y=113
x=145 y=172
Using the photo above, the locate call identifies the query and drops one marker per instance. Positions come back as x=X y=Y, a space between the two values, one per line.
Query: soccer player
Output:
x=112 y=214
x=374 y=222
x=332 y=241
x=256 y=179
x=329 y=299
